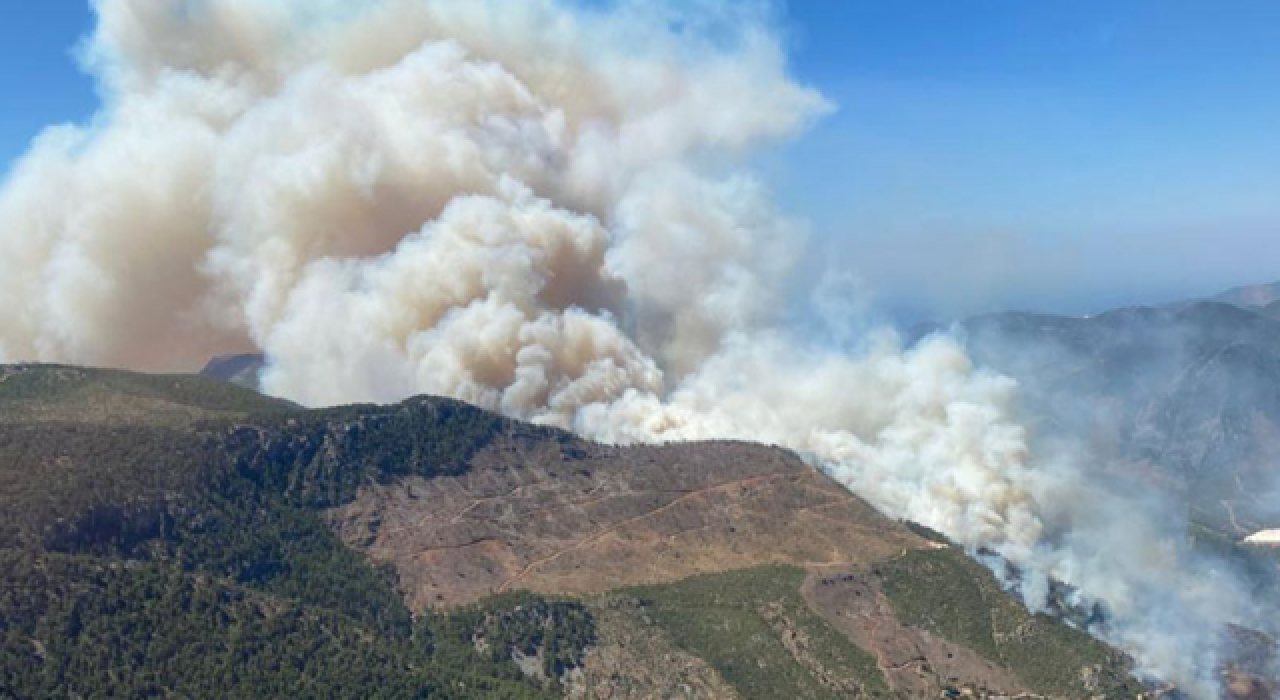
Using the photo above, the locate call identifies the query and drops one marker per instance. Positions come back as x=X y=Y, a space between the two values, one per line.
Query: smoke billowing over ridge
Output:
x=544 y=210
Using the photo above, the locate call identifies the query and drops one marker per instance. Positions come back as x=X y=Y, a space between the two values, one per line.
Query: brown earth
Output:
x=572 y=517
x=915 y=662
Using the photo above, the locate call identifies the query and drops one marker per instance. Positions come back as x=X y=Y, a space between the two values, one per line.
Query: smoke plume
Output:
x=544 y=209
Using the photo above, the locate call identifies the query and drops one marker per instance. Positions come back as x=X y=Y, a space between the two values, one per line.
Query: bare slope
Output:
x=575 y=517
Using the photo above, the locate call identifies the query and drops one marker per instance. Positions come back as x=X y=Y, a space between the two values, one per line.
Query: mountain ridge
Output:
x=262 y=523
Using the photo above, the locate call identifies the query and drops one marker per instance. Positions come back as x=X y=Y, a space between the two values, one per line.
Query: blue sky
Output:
x=1052 y=154
x=40 y=82
x=1049 y=154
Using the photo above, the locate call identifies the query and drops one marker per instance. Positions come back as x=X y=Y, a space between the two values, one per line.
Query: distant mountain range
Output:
x=1185 y=396
x=1261 y=299
x=1271 y=311
x=1182 y=400
x=241 y=370
x=1257 y=296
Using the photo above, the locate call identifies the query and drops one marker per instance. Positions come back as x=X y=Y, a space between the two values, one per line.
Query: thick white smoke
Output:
x=540 y=208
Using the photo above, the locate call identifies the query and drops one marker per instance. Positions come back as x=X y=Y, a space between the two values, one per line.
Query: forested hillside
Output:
x=178 y=537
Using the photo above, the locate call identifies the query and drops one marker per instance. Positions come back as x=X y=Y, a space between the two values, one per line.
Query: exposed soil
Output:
x=573 y=517
x=916 y=663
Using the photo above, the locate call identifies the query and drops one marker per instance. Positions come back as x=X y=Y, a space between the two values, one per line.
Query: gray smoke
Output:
x=542 y=209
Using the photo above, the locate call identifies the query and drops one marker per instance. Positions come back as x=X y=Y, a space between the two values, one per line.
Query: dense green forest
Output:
x=88 y=627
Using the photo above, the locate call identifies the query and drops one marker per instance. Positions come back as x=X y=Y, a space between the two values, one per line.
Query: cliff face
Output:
x=170 y=535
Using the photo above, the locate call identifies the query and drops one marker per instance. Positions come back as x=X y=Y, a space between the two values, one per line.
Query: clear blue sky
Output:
x=40 y=82
x=1054 y=154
